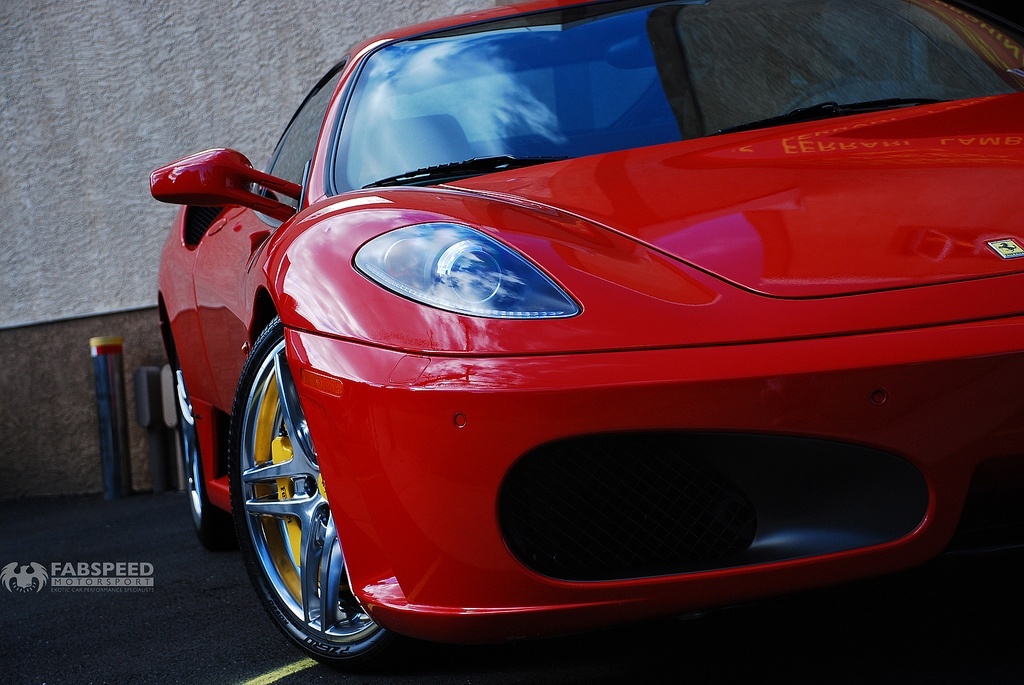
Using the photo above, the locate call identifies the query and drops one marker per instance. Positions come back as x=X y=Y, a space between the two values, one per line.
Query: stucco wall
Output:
x=94 y=94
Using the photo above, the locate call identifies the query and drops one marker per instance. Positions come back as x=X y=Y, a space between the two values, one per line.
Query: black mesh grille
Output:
x=621 y=506
x=197 y=221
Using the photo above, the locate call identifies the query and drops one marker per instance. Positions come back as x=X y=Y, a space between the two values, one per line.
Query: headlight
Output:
x=459 y=269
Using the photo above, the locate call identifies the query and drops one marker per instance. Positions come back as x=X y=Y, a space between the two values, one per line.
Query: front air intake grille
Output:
x=622 y=506
x=198 y=221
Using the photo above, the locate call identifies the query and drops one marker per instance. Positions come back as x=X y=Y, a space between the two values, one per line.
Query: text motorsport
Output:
x=101 y=576
x=122 y=575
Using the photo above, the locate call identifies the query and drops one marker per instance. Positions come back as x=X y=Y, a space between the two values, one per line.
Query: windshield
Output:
x=596 y=78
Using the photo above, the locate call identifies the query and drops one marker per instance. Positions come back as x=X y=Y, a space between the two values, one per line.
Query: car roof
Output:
x=469 y=18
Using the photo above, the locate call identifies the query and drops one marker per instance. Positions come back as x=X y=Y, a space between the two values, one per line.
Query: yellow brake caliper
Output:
x=280 y=452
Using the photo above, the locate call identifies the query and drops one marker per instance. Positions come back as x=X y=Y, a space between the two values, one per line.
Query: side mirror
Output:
x=221 y=177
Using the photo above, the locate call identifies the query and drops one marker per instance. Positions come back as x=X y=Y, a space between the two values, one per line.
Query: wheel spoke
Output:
x=301 y=508
x=293 y=468
x=294 y=419
x=332 y=568
x=312 y=552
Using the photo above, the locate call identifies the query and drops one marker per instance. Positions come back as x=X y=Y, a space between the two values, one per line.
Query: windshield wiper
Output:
x=827 y=110
x=469 y=167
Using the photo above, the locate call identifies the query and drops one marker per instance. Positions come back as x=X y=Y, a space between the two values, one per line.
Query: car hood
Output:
x=866 y=203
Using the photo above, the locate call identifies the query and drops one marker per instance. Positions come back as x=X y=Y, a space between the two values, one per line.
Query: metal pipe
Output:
x=108 y=368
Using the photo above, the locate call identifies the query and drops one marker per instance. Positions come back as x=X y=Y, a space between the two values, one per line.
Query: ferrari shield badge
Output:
x=1007 y=248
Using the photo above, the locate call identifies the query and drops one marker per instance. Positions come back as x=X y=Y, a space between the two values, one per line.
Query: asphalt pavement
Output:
x=127 y=595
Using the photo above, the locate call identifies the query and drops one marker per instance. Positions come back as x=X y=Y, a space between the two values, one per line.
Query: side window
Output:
x=296 y=145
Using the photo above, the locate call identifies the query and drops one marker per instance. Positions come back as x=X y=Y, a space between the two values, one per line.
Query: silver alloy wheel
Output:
x=286 y=512
x=190 y=450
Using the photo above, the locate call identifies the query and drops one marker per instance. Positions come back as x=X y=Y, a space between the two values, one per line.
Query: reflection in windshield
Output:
x=597 y=78
x=484 y=76
x=413 y=111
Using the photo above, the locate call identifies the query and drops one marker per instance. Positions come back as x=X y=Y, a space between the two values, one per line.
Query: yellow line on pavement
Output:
x=284 y=671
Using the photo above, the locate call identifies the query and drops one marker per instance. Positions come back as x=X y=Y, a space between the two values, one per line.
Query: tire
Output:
x=283 y=522
x=213 y=526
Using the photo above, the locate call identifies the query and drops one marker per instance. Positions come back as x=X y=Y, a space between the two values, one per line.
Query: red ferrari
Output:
x=567 y=314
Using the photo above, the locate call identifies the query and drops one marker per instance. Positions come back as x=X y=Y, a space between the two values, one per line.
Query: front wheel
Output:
x=283 y=522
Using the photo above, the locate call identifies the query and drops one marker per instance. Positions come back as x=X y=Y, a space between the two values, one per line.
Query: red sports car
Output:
x=561 y=315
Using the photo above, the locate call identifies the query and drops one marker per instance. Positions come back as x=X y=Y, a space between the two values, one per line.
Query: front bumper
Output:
x=415 y=452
